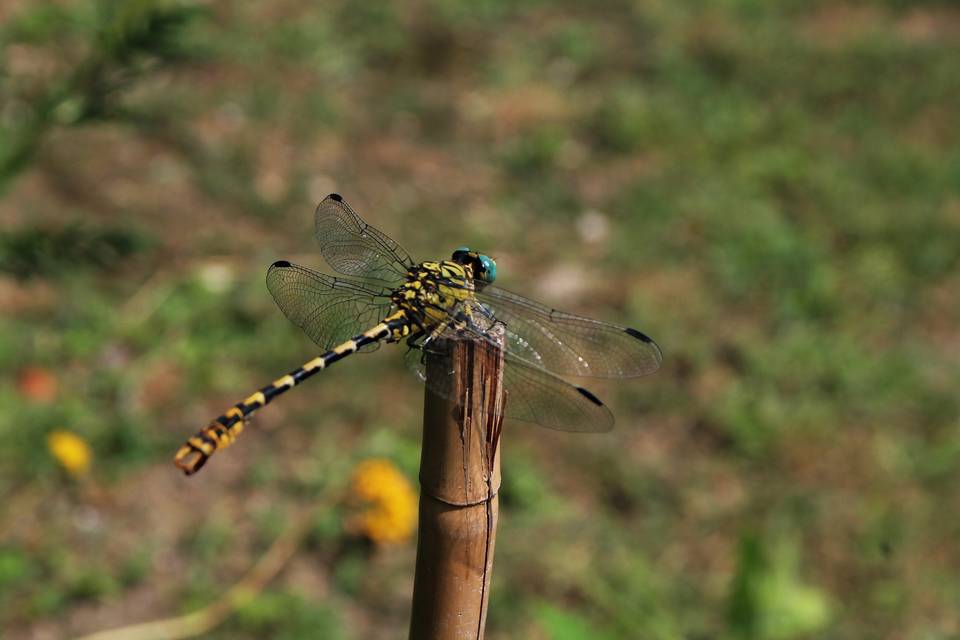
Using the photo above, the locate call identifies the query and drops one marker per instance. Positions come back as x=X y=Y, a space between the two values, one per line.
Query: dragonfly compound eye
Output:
x=489 y=266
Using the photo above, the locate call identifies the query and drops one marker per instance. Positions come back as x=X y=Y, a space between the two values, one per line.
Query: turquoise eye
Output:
x=462 y=250
x=489 y=268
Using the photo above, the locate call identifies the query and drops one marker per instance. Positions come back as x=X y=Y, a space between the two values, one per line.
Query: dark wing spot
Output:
x=589 y=396
x=336 y=196
x=281 y=264
x=638 y=335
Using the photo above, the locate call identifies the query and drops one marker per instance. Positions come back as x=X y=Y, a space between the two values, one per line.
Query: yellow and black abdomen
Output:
x=223 y=430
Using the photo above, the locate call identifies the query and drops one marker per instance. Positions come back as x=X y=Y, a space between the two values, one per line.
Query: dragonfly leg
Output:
x=413 y=342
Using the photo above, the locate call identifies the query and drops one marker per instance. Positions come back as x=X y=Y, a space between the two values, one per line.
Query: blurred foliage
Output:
x=117 y=42
x=287 y=616
x=767 y=601
x=35 y=251
x=771 y=190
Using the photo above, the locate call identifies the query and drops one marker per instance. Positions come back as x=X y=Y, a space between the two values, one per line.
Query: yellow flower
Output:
x=71 y=451
x=391 y=513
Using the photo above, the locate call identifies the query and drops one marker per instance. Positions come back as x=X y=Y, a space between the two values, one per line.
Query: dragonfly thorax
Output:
x=433 y=289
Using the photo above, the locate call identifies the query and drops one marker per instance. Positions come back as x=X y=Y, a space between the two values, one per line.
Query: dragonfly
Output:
x=387 y=297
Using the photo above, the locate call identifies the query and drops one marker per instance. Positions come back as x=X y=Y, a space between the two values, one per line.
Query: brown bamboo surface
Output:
x=459 y=481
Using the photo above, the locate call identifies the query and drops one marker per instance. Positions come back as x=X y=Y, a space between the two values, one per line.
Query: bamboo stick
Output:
x=459 y=480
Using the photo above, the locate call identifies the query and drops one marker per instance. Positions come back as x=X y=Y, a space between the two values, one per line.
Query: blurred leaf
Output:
x=767 y=601
x=288 y=616
x=145 y=27
x=37 y=251
x=568 y=625
x=534 y=152
x=16 y=569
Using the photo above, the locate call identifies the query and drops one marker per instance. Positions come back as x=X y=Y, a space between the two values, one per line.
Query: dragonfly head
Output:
x=484 y=267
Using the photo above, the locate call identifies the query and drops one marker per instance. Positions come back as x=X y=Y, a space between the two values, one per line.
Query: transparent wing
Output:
x=354 y=248
x=329 y=310
x=533 y=395
x=567 y=344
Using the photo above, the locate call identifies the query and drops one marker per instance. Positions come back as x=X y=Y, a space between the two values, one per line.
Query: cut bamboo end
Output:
x=459 y=480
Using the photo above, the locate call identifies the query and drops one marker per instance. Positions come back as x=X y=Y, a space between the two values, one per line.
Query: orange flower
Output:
x=391 y=513
x=37 y=384
x=71 y=451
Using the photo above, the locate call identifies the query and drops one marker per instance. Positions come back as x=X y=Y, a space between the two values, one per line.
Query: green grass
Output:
x=779 y=185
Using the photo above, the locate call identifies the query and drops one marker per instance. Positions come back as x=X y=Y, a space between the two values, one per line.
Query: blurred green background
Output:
x=769 y=189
